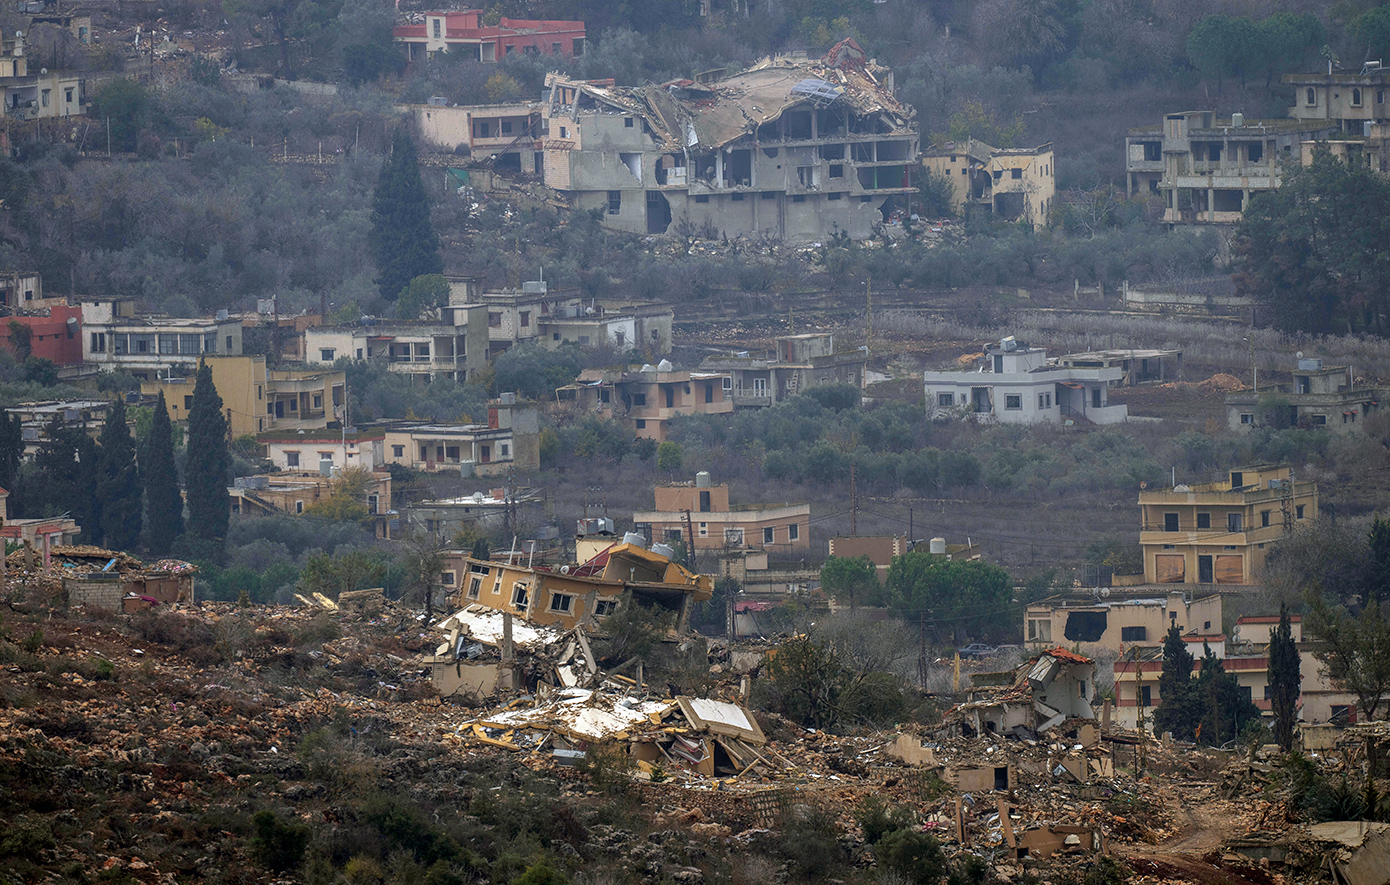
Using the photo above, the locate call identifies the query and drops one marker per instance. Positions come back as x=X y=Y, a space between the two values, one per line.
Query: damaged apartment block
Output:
x=791 y=149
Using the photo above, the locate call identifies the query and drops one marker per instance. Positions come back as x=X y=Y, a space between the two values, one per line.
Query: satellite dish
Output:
x=1299 y=355
x=1144 y=484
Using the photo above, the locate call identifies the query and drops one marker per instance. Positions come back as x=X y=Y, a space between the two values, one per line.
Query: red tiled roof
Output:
x=1062 y=654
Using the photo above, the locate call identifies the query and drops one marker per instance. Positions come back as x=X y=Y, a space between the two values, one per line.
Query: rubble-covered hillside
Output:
x=211 y=743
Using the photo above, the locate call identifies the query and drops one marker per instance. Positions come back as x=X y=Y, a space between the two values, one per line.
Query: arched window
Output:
x=1356 y=98
x=1312 y=96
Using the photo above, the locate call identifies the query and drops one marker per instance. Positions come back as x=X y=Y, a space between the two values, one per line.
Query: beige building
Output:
x=798 y=362
x=455 y=346
x=37 y=95
x=702 y=508
x=646 y=399
x=257 y=399
x=536 y=314
x=1244 y=655
x=509 y=440
x=504 y=136
x=325 y=450
x=114 y=339
x=274 y=493
x=1320 y=396
x=1012 y=183
x=1219 y=532
x=590 y=591
x=1347 y=101
x=1206 y=168
x=790 y=148
x=1115 y=620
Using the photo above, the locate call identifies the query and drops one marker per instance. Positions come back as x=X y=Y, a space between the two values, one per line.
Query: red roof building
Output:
x=57 y=337
x=463 y=31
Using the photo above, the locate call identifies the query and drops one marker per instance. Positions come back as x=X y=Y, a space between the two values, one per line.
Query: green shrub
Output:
x=278 y=845
x=809 y=843
x=877 y=819
x=914 y=855
x=540 y=873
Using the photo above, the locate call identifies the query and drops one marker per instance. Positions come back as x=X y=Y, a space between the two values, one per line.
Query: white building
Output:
x=455 y=346
x=145 y=346
x=325 y=449
x=1015 y=384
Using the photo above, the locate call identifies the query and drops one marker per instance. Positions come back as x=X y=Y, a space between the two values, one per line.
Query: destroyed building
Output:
x=1012 y=184
x=1037 y=695
x=577 y=594
x=793 y=149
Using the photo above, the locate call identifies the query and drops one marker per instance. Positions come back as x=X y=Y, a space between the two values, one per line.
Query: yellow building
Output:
x=1219 y=532
x=1013 y=183
x=257 y=399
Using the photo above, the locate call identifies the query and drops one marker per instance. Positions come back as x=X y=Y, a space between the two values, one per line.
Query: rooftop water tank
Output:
x=938 y=546
x=702 y=480
x=665 y=550
x=635 y=538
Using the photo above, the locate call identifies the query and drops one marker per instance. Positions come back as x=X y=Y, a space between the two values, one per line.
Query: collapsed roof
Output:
x=686 y=115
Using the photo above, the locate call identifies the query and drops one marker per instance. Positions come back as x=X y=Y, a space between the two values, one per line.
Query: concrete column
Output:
x=1211 y=204
x=719 y=167
x=47 y=553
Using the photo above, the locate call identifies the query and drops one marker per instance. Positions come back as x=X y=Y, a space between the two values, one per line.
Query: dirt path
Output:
x=1193 y=854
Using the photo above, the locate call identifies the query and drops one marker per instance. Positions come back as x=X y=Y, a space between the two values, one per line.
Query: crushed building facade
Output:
x=791 y=149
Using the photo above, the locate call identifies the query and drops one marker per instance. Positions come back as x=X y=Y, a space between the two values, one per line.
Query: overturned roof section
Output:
x=683 y=114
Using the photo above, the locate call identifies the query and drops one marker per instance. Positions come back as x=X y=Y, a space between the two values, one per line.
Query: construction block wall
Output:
x=95 y=592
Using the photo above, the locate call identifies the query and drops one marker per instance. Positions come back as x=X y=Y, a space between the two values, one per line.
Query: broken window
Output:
x=1015 y=173
x=475 y=587
x=837 y=170
x=1085 y=626
x=605 y=607
x=520 y=596
x=615 y=202
x=1134 y=634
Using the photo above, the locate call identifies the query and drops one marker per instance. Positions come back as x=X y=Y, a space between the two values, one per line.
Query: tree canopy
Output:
x=118 y=483
x=403 y=240
x=209 y=463
x=968 y=598
x=164 y=504
x=852 y=580
x=1311 y=252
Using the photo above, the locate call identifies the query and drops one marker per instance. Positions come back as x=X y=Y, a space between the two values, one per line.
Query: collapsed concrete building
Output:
x=1040 y=694
x=790 y=148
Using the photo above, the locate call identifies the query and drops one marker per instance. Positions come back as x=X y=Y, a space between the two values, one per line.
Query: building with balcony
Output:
x=1015 y=384
x=789 y=149
x=37 y=95
x=258 y=399
x=453 y=347
x=1219 y=532
x=486 y=511
x=462 y=32
x=537 y=314
x=89 y=416
x=1245 y=655
x=649 y=397
x=505 y=136
x=797 y=363
x=113 y=339
x=702 y=508
x=510 y=440
x=1320 y=396
x=1206 y=169
x=1012 y=184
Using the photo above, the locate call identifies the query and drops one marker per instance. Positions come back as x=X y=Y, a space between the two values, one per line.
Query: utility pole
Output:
x=910 y=533
x=853 y=504
x=869 y=342
x=690 y=535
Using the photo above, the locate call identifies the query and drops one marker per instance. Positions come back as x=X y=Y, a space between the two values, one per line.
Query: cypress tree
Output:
x=83 y=503
x=1177 y=710
x=11 y=453
x=208 y=463
x=55 y=472
x=1285 y=674
x=118 y=482
x=403 y=241
x=163 y=503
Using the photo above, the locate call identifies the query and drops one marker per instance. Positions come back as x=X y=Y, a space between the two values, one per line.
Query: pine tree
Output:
x=55 y=472
x=118 y=481
x=403 y=241
x=208 y=463
x=1284 y=678
x=163 y=503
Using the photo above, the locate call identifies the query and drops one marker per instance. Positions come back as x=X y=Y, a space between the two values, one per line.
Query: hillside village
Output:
x=697 y=442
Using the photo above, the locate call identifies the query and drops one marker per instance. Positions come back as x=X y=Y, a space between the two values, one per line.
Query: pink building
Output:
x=463 y=31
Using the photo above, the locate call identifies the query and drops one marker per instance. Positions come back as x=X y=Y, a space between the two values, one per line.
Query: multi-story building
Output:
x=258 y=399
x=1016 y=384
x=1116 y=620
x=1011 y=183
x=506 y=136
x=325 y=450
x=27 y=96
x=797 y=363
x=116 y=340
x=1347 y=101
x=1244 y=655
x=702 y=508
x=487 y=511
x=789 y=148
x=87 y=415
x=648 y=398
x=463 y=32
x=1206 y=168
x=454 y=347
x=1219 y=532
x=510 y=440
x=1320 y=396
x=536 y=314
x=19 y=289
